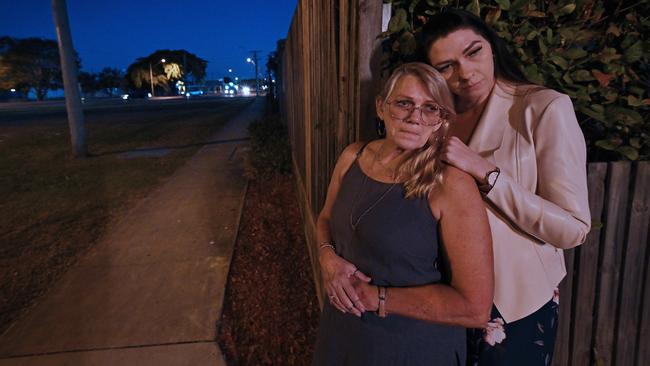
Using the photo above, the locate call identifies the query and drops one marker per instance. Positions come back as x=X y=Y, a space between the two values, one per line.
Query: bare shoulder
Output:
x=456 y=181
x=350 y=152
x=347 y=157
x=458 y=192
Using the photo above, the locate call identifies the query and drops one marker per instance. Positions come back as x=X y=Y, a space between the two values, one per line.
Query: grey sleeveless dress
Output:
x=395 y=241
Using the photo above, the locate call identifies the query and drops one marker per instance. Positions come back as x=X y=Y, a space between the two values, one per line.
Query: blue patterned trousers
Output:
x=526 y=342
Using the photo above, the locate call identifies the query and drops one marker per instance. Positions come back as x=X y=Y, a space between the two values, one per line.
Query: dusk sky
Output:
x=115 y=33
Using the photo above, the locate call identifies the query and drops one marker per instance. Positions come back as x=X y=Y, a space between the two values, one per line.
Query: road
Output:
x=18 y=113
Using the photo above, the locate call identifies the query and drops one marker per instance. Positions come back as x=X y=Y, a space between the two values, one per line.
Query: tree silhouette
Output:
x=30 y=63
x=178 y=65
x=108 y=79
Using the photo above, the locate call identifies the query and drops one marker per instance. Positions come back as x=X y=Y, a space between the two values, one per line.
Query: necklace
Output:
x=355 y=223
x=376 y=159
x=386 y=169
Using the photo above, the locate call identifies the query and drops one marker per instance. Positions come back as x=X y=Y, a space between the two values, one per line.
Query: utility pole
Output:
x=151 y=75
x=151 y=79
x=70 y=80
x=185 y=70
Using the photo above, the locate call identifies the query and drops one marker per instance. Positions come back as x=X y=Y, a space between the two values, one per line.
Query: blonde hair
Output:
x=422 y=170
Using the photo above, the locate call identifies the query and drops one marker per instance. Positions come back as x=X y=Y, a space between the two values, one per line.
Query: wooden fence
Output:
x=327 y=90
x=605 y=298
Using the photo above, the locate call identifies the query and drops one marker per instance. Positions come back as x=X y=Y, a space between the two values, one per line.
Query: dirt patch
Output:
x=271 y=310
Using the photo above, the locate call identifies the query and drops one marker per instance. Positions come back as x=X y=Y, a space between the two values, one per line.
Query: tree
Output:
x=89 y=83
x=274 y=69
x=106 y=80
x=272 y=64
x=109 y=79
x=178 y=65
x=30 y=63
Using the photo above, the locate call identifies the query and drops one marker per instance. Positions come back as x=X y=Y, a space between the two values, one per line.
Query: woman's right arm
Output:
x=467 y=242
x=557 y=211
x=336 y=271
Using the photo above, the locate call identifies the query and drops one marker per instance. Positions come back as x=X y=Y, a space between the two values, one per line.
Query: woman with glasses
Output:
x=405 y=245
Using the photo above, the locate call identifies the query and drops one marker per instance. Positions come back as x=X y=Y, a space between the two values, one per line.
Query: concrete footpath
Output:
x=151 y=291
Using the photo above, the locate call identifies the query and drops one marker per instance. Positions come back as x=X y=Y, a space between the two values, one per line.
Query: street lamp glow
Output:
x=229 y=70
x=163 y=60
x=249 y=60
x=236 y=78
x=13 y=90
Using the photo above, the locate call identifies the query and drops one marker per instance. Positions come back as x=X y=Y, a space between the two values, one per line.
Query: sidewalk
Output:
x=151 y=291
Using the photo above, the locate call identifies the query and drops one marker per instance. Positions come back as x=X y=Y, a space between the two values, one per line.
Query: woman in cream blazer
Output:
x=523 y=146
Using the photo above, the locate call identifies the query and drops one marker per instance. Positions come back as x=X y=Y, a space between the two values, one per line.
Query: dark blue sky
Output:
x=114 y=33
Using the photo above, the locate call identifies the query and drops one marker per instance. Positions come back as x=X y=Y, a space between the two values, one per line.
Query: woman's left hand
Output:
x=456 y=153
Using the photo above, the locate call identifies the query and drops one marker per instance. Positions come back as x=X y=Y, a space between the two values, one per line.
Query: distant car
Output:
x=193 y=91
x=229 y=91
x=136 y=94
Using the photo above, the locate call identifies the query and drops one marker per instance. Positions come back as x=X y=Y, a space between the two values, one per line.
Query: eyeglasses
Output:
x=431 y=114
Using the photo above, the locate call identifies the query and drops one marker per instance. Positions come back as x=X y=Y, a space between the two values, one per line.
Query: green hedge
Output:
x=595 y=51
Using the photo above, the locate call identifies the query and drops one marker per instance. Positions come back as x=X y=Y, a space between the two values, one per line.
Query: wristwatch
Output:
x=490 y=180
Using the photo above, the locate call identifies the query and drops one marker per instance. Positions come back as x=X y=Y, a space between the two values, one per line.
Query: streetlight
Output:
x=151 y=75
x=257 y=82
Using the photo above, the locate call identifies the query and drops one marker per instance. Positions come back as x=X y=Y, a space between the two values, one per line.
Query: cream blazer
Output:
x=538 y=205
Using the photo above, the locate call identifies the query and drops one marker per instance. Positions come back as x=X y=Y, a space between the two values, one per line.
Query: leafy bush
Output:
x=593 y=50
x=270 y=151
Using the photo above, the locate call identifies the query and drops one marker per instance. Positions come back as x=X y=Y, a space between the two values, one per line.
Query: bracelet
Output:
x=381 y=310
x=327 y=244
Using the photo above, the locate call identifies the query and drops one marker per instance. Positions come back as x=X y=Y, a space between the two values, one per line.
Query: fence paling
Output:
x=643 y=353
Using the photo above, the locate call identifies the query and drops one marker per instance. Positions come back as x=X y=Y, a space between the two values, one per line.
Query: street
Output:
x=99 y=110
